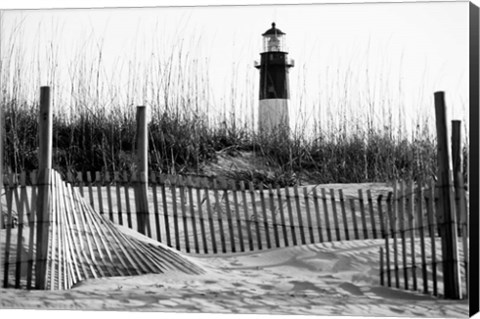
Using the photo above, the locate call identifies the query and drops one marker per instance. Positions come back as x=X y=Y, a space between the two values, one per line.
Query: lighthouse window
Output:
x=273 y=44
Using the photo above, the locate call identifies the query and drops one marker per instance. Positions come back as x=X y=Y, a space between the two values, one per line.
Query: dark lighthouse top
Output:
x=274 y=66
x=273 y=39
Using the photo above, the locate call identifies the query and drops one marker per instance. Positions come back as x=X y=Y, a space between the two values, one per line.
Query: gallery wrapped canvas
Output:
x=267 y=159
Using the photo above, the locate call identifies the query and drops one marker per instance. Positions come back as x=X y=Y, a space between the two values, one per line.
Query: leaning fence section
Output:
x=412 y=257
x=81 y=243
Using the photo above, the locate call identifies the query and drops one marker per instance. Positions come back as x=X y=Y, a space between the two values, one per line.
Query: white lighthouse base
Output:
x=273 y=115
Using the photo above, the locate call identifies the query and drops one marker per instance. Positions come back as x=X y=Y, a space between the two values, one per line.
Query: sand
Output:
x=332 y=279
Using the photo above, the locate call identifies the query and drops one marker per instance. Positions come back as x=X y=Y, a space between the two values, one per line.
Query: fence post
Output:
x=446 y=213
x=45 y=130
x=457 y=167
x=141 y=184
x=460 y=204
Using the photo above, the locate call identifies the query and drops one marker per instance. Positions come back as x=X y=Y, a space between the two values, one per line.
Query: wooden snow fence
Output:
x=428 y=226
x=412 y=257
x=81 y=243
x=203 y=215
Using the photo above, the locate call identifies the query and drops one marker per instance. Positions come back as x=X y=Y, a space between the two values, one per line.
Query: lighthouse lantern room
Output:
x=274 y=86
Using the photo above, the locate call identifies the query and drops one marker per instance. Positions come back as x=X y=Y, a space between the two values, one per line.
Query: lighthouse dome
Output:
x=273 y=31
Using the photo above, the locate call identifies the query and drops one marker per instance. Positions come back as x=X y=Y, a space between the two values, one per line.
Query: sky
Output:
x=352 y=61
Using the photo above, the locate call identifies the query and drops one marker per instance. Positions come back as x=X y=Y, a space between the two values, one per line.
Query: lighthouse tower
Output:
x=274 y=88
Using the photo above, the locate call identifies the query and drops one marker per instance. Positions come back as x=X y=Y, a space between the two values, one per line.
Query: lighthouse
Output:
x=274 y=88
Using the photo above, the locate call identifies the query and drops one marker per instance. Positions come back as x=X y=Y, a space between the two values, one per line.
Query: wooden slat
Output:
x=327 y=217
x=273 y=211
x=218 y=210
x=20 y=217
x=31 y=228
x=52 y=249
x=58 y=260
x=80 y=183
x=432 y=230
x=317 y=215
x=383 y=225
x=181 y=183
x=127 y=200
x=290 y=216
x=247 y=218
x=382 y=280
x=90 y=189
x=393 y=230
x=156 y=207
x=411 y=226
x=421 y=230
x=109 y=196
x=237 y=216
x=70 y=274
x=255 y=215
x=266 y=225
x=201 y=218
x=309 y=216
x=344 y=214
x=299 y=215
x=401 y=220
x=173 y=190
x=362 y=214
x=229 y=218
x=335 y=214
x=210 y=221
x=165 y=210
x=386 y=235
x=354 y=218
x=282 y=216
x=99 y=182
x=118 y=192
x=191 y=204
x=372 y=213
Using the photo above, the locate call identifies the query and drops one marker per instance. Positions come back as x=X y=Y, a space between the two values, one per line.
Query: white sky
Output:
x=394 y=54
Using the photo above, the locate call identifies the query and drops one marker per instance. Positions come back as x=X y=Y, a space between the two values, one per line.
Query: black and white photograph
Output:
x=312 y=159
